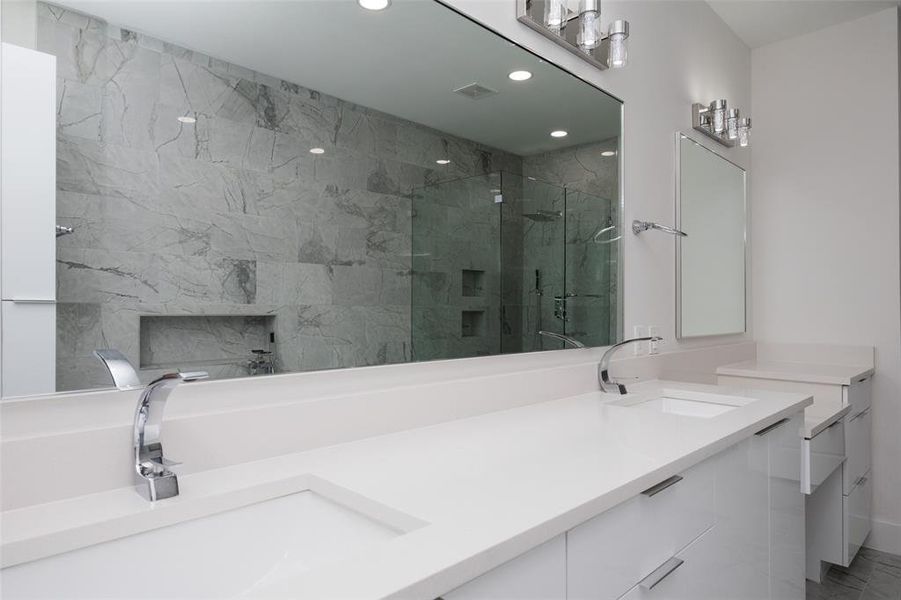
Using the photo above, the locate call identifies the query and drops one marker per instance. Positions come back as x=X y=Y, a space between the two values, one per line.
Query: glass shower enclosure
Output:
x=497 y=258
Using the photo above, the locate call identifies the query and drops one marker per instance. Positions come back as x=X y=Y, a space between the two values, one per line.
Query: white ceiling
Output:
x=762 y=22
x=404 y=61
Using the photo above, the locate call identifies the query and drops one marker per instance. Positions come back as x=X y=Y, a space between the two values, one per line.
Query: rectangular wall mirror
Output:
x=711 y=261
x=272 y=187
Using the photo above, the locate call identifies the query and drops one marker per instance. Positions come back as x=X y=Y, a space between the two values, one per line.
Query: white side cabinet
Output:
x=835 y=469
x=27 y=220
x=539 y=574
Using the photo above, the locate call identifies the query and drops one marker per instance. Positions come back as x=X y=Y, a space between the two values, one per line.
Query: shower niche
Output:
x=497 y=258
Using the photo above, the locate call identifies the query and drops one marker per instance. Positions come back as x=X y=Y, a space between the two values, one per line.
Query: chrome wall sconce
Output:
x=721 y=123
x=576 y=25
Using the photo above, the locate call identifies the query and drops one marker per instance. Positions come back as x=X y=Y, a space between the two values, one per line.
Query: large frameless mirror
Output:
x=711 y=260
x=265 y=187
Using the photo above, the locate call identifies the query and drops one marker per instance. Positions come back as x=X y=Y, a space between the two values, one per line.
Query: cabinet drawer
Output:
x=857 y=515
x=685 y=576
x=612 y=552
x=539 y=574
x=822 y=455
x=859 y=394
x=857 y=448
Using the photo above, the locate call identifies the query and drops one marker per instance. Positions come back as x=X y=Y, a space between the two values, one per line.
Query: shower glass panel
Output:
x=542 y=210
x=456 y=270
x=500 y=257
x=590 y=273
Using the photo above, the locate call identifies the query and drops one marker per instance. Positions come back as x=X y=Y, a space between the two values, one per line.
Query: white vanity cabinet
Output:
x=730 y=527
x=27 y=221
x=539 y=574
x=787 y=546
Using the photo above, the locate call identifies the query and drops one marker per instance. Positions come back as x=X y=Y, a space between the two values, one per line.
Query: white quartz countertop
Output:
x=475 y=492
x=797 y=371
x=817 y=418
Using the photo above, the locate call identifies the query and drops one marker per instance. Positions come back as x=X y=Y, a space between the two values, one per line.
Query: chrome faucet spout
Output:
x=563 y=338
x=153 y=479
x=120 y=369
x=611 y=386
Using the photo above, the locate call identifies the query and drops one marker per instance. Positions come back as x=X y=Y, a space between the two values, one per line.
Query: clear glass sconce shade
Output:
x=617 y=57
x=590 y=35
x=555 y=15
x=718 y=115
x=590 y=30
x=732 y=124
x=744 y=132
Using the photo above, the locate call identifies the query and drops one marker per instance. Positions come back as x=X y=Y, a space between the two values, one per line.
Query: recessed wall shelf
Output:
x=168 y=341
x=472 y=323
x=472 y=282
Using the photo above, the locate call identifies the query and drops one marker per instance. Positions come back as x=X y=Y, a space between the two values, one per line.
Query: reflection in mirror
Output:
x=711 y=210
x=249 y=197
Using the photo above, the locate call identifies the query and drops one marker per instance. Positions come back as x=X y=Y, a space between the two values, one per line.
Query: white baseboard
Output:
x=885 y=537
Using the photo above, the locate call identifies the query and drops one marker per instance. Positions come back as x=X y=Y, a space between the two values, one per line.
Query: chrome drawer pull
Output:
x=656 y=489
x=660 y=573
x=766 y=430
x=33 y=301
x=861 y=481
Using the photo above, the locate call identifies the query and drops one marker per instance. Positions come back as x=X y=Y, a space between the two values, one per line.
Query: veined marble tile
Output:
x=253 y=237
x=78 y=111
x=79 y=329
x=292 y=284
x=94 y=168
x=129 y=98
x=88 y=275
x=368 y=286
x=191 y=87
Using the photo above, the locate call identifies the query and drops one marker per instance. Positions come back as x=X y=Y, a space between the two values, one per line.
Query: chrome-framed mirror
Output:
x=712 y=261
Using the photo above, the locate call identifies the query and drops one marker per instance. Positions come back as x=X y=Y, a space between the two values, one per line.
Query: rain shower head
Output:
x=544 y=216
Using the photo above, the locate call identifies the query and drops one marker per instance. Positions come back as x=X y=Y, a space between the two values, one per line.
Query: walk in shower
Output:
x=497 y=258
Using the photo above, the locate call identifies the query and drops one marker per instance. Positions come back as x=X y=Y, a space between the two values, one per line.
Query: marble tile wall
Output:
x=230 y=215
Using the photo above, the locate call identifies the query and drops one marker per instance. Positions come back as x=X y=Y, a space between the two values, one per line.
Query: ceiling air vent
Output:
x=475 y=91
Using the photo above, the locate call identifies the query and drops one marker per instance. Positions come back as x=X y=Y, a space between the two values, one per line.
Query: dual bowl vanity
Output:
x=673 y=490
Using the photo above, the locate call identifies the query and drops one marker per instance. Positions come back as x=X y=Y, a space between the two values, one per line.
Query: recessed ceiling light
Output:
x=317 y=151
x=520 y=75
x=374 y=4
x=442 y=161
x=559 y=133
x=608 y=153
x=187 y=119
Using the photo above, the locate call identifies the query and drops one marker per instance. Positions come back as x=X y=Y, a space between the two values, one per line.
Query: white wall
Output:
x=825 y=215
x=19 y=22
x=680 y=52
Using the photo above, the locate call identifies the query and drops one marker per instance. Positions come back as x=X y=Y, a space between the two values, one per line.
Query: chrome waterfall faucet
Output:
x=611 y=386
x=153 y=479
x=120 y=369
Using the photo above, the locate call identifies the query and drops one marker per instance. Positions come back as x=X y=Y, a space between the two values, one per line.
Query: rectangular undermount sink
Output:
x=223 y=555
x=700 y=405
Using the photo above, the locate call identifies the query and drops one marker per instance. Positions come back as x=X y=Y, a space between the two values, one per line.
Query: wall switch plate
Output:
x=638 y=347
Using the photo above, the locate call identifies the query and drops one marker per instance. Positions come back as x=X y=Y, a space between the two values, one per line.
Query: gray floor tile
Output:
x=873 y=575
